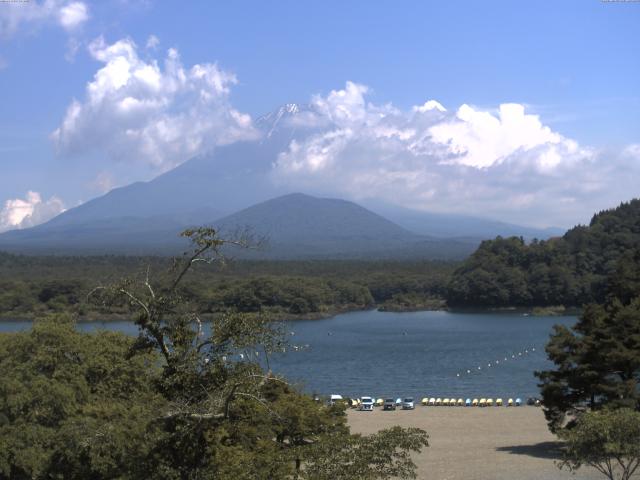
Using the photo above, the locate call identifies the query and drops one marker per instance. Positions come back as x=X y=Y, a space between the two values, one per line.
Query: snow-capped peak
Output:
x=270 y=122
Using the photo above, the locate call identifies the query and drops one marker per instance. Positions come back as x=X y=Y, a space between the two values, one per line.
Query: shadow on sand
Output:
x=552 y=450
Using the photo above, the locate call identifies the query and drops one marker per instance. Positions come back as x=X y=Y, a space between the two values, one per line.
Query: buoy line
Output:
x=497 y=362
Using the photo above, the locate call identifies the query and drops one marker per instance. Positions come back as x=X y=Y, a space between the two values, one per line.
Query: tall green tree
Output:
x=189 y=398
x=608 y=441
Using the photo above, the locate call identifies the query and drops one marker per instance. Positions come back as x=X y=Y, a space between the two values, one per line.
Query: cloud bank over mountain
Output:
x=502 y=162
x=505 y=163
x=136 y=109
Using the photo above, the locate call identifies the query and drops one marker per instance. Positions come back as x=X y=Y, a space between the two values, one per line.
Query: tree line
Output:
x=571 y=270
x=32 y=286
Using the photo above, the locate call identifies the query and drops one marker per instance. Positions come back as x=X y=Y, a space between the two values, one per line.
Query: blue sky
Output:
x=575 y=64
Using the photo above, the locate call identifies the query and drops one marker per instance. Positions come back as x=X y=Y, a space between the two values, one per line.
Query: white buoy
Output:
x=468 y=371
x=457 y=374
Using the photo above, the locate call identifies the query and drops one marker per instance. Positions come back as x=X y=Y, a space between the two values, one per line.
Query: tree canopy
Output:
x=571 y=270
x=178 y=402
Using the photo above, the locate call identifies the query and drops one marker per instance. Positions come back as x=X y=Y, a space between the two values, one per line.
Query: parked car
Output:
x=333 y=399
x=366 y=404
x=389 y=404
x=407 y=404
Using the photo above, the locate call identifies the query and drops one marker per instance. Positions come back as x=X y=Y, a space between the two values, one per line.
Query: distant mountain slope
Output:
x=138 y=218
x=577 y=268
x=446 y=225
x=294 y=225
x=298 y=225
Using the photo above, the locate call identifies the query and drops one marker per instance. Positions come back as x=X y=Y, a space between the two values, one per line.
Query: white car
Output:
x=366 y=404
x=407 y=403
x=335 y=399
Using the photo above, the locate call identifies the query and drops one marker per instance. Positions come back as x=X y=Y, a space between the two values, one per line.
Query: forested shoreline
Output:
x=570 y=271
x=540 y=276
x=31 y=286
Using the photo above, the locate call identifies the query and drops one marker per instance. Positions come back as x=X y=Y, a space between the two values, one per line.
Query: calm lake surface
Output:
x=435 y=354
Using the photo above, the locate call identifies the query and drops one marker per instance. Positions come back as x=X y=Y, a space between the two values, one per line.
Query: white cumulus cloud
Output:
x=73 y=15
x=137 y=109
x=27 y=212
x=505 y=163
x=32 y=14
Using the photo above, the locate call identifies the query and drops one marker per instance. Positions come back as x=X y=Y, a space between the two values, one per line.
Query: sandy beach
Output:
x=492 y=443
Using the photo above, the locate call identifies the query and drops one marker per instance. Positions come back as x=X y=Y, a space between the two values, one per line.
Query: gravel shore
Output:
x=492 y=443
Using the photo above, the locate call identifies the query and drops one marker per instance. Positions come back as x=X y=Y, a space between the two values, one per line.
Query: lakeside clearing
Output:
x=493 y=443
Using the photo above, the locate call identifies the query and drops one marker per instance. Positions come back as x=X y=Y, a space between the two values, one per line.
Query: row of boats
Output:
x=459 y=402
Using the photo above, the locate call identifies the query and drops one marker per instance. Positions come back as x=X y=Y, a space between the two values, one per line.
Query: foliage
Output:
x=384 y=455
x=597 y=362
x=173 y=403
x=72 y=405
x=31 y=286
x=572 y=270
x=608 y=440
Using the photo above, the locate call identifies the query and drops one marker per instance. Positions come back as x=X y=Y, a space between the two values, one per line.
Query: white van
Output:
x=335 y=399
x=366 y=404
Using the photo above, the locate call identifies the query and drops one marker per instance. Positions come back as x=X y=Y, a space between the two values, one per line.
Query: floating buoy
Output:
x=457 y=374
x=468 y=371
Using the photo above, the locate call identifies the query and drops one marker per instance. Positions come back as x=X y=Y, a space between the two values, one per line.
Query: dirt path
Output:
x=492 y=443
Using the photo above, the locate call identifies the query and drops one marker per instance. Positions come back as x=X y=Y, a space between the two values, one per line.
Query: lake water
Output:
x=435 y=354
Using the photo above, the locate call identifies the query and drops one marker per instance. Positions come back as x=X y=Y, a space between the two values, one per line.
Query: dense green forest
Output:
x=171 y=404
x=571 y=270
x=33 y=285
